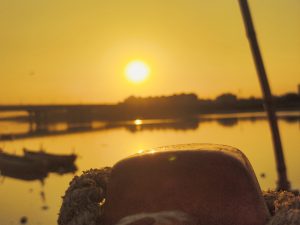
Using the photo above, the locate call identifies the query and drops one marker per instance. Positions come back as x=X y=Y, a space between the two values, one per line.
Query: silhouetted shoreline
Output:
x=161 y=107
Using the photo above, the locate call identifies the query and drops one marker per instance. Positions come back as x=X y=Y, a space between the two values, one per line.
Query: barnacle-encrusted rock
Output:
x=82 y=200
x=286 y=207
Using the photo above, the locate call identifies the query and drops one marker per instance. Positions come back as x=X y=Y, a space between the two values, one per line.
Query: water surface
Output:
x=107 y=144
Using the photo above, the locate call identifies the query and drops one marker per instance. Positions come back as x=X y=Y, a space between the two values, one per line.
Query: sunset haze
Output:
x=76 y=51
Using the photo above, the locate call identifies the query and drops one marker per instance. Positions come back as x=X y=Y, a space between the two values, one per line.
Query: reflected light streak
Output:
x=140 y=151
x=138 y=122
x=172 y=158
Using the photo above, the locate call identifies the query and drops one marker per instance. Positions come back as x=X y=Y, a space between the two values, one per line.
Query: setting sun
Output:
x=137 y=71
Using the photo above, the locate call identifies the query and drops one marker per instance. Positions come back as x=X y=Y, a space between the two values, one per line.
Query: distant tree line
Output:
x=160 y=107
x=183 y=104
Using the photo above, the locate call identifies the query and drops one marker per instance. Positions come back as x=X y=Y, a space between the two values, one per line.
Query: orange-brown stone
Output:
x=213 y=183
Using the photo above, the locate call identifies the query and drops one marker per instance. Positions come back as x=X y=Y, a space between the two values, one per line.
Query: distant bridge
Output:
x=32 y=108
x=41 y=115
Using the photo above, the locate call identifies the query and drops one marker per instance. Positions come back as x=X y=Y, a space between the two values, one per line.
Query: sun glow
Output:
x=137 y=71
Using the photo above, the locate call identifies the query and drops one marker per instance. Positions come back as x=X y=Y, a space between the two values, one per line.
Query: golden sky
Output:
x=70 y=51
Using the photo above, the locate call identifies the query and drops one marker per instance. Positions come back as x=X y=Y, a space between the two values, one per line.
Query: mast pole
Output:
x=282 y=183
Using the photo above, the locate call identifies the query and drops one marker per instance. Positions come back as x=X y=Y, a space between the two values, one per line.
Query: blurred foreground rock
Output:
x=159 y=218
x=198 y=179
x=138 y=196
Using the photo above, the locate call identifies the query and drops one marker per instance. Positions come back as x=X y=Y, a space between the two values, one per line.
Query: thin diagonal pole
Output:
x=282 y=183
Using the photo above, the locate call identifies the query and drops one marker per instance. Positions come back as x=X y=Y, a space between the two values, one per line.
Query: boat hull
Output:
x=22 y=168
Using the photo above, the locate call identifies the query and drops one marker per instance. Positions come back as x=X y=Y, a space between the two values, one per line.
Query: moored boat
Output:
x=61 y=163
x=21 y=168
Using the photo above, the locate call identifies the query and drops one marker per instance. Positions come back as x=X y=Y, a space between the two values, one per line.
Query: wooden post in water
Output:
x=283 y=183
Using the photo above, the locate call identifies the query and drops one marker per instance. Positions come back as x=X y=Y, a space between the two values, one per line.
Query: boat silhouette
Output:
x=58 y=163
x=22 y=168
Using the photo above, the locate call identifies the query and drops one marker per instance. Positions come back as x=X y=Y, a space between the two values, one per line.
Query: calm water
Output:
x=107 y=144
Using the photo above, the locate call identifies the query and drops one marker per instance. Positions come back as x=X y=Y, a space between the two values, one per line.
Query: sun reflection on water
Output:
x=138 y=122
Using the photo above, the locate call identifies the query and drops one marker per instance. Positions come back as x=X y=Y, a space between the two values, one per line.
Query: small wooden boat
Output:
x=55 y=162
x=21 y=168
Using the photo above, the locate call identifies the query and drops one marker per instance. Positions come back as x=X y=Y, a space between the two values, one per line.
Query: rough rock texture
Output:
x=284 y=206
x=82 y=203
